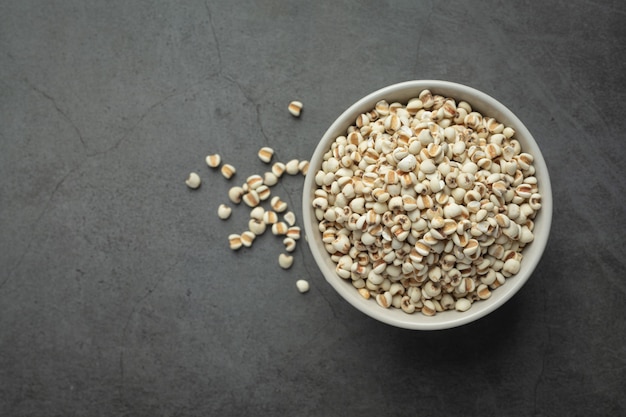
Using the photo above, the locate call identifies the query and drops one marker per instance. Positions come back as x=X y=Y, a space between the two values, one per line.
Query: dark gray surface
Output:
x=118 y=293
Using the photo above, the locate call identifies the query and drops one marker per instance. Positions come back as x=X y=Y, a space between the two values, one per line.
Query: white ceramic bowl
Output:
x=486 y=105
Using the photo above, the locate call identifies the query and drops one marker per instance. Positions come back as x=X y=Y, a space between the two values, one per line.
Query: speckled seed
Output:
x=295 y=108
x=214 y=160
x=228 y=171
x=193 y=181
x=291 y=167
x=365 y=293
x=265 y=154
x=247 y=238
x=235 y=194
x=285 y=261
x=290 y=244
x=278 y=169
x=223 y=211
x=234 y=241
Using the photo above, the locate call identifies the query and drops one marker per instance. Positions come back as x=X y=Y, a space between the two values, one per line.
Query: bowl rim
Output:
x=402 y=92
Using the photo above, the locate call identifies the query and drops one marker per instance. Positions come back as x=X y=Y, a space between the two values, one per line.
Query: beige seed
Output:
x=264 y=192
x=193 y=181
x=257 y=226
x=251 y=198
x=247 y=238
x=483 y=291
x=235 y=194
x=228 y=171
x=291 y=167
x=269 y=179
x=384 y=299
x=295 y=108
x=223 y=211
x=429 y=308
x=265 y=154
x=234 y=241
x=278 y=169
x=364 y=293
x=290 y=218
x=214 y=160
x=293 y=232
x=285 y=261
x=462 y=304
x=279 y=228
x=257 y=213
x=303 y=167
x=270 y=217
x=254 y=181
x=290 y=244
x=511 y=267
x=302 y=285
x=278 y=205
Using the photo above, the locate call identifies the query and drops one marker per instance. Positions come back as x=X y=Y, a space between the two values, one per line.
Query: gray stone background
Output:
x=118 y=293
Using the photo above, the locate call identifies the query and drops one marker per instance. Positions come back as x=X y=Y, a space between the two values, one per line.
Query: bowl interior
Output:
x=487 y=106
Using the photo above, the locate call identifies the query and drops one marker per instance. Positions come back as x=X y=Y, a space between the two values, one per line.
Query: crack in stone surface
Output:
x=59 y=110
x=11 y=271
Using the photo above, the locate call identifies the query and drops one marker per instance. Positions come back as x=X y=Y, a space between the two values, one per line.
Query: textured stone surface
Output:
x=118 y=293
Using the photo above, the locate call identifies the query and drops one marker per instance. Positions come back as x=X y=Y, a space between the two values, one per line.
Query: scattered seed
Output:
x=303 y=167
x=247 y=238
x=278 y=205
x=290 y=218
x=235 y=194
x=293 y=232
x=254 y=181
x=285 y=261
x=257 y=226
x=234 y=241
x=290 y=244
x=279 y=228
x=223 y=211
x=251 y=198
x=264 y=192
x=278 y=168
x=214 y=160
x=302 y=285
x=291 y=167
x=265 y=154
x=295 y=108
x=269 y=179
x=228 y=171
x=193 y=181
x=270 y=217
